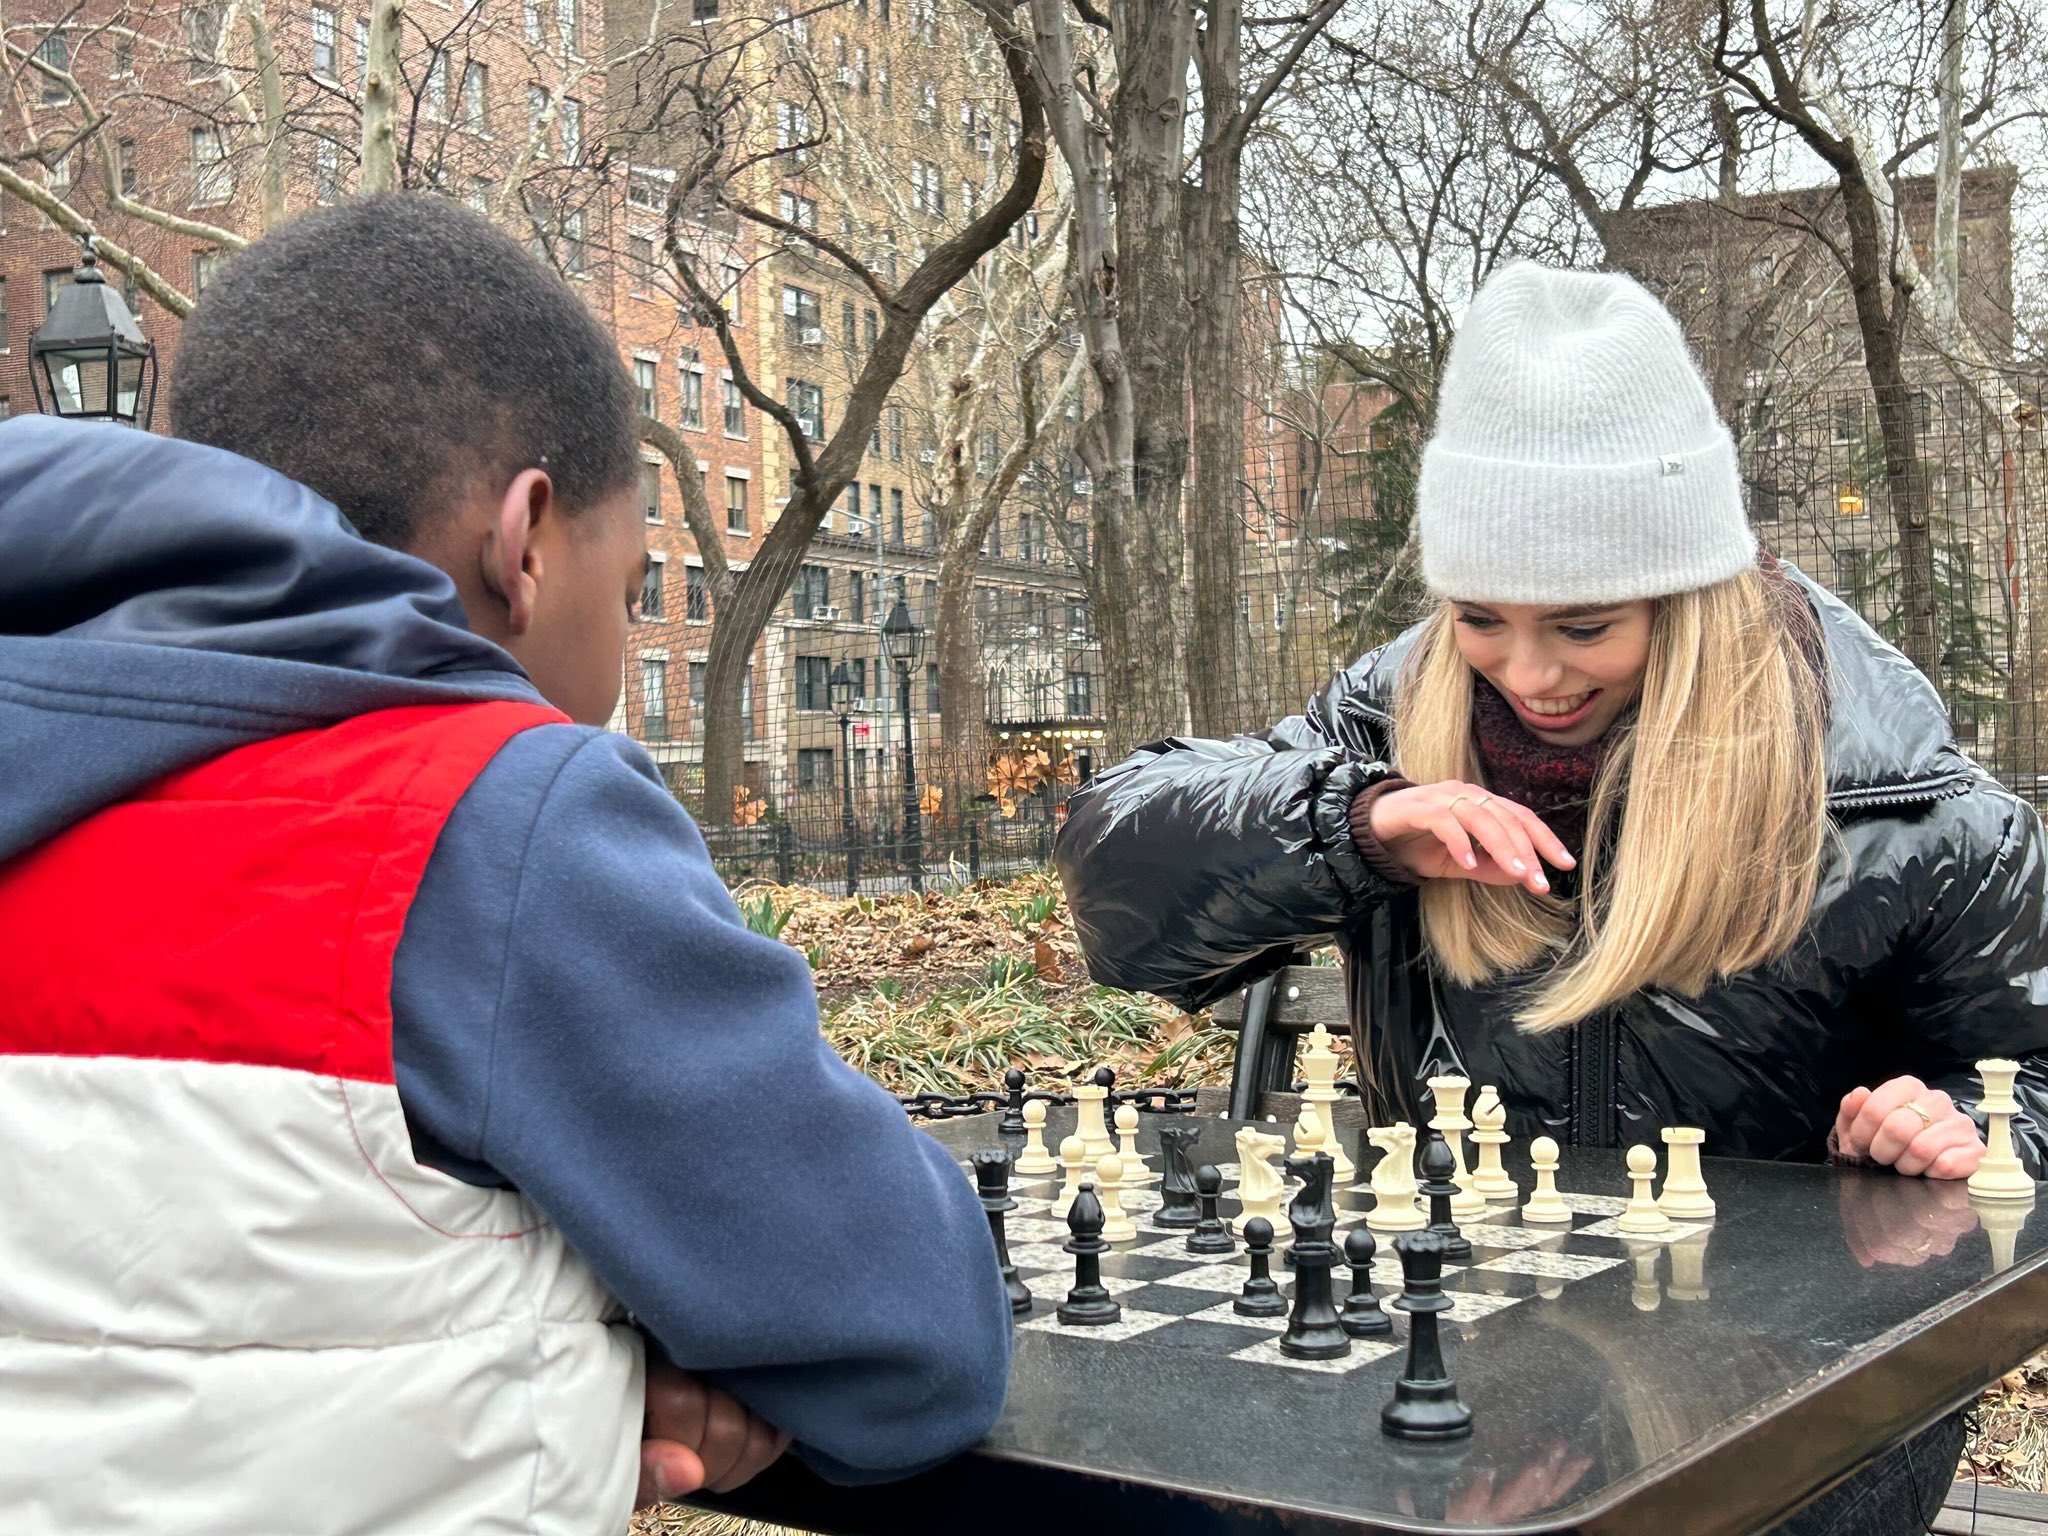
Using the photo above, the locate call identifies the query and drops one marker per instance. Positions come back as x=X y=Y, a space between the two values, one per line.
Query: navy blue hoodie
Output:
x=579 y=1011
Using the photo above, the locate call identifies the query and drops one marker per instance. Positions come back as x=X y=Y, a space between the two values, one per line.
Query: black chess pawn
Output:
x=1089 y=1303
x=992 y=1175
x=1210 y=1234
x=1313 y=1330
x=1425 y=1404
x=1361 y=1316
x=1177 y=1206
x=1261 y=1296
x=1012 y=1123
x=1439 y=1169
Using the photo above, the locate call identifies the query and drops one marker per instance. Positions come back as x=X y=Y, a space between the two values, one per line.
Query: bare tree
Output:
x=1872 y=98
x=720 y=158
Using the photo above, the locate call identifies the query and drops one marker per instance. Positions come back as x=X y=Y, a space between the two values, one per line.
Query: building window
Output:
x=476 y=95
x=479 y=198
x=729 y=294
x=643 y=385
x=699 y=670
x=802 y=324
x=569 y=18
x=696 y=595
x=326 y=170
x=735 y=408
x=875 y=506
x=124 y=56
x=691 y=377
x=202 y=40
x=895 y=516
x=927 y=187
x=536 y=117
x=1846 y=422
x=650 y=492
x=575 y=254
x=735 y=504
x=931 y=687
x=813 y=767
x=807 y=405
x=362 y=49
x=855 y=527
x=435 y=104
x=204 y=264
x=892 y=419
x=124 y=163
x=813 y=590
x=792 y=124
x=704 y=10
x=213 y=178
x=326 y=43
x=647 y=188
x=653 y=699
x=857 y=604
x=798 y=210
x=650 y=590
x=813 y=682
x=572 y=129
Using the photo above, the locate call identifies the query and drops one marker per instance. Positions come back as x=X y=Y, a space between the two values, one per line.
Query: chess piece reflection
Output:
x=1689 y=1269
x=2002 y=1220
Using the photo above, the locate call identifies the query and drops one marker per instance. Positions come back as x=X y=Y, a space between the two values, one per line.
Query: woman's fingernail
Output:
x=1520 y=868
x=1470 y=862
x=1542 y=884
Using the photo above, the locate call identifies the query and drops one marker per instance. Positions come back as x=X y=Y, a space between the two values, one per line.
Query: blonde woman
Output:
x=1638 y=824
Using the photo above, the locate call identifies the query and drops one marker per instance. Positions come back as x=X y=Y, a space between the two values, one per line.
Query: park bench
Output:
x=1980 y=1509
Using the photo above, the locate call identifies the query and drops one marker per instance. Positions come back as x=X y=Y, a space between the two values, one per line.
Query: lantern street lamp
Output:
x=840 y=687
x=903 y=641
x=89 y=361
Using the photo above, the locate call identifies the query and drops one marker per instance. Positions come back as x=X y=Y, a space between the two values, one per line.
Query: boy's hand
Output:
x=696 y=1436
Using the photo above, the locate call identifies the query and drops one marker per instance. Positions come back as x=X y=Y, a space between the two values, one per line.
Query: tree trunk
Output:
x=1905 y=476
x=1217 y=701
x=380 y=99
x=963 y=709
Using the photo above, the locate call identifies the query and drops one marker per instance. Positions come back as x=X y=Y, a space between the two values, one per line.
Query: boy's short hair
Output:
x=385 y=351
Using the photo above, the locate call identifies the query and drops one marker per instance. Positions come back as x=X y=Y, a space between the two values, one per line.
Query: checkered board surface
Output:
x=1173 y=1299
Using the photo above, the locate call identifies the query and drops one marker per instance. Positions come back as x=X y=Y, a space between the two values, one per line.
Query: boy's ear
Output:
x=511 y=564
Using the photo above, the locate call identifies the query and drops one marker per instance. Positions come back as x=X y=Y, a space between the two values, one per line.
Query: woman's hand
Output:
x=1908 y=1126
x=1466 y=832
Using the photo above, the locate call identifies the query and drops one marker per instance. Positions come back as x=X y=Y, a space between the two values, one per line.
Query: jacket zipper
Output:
x=1594 y=1044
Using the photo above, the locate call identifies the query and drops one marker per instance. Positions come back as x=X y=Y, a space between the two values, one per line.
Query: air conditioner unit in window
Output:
x=812 y=335
x=1030 y=631
x=867 y=706
x=844 y=75
x=927 y=455
x=825 y=615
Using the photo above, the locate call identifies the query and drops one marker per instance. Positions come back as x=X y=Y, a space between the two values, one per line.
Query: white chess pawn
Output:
x=1546 y=1206
x=1074 y=1159
x=1308 y=1131
x=1035 y=1159
x=1642 y=1216
x=1489 y=1135
x=1685 y=1196
x=1109 y=1185
x=1393 y=1181
x=1136 y=1169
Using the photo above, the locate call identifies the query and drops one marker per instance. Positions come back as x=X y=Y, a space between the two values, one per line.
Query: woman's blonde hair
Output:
x=1707 y=824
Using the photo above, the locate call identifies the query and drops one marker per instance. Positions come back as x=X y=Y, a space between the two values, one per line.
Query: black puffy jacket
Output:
x=1195 y=867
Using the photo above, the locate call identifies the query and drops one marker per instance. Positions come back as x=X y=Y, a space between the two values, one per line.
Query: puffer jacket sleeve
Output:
x=1977 y=972
x=1196 y=866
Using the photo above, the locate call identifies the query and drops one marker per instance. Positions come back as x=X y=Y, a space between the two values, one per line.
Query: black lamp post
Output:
x=841 y=688
x=88 y=360
x=903 y=640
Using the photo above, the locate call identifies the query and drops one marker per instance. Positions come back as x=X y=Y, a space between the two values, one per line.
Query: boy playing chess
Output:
x=1638 y=824
x=375 y=1034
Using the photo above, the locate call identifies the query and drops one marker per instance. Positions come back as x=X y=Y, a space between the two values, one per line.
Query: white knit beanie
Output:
x=1577 y=455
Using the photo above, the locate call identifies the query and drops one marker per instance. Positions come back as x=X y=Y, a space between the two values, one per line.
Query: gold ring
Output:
x=1454 y=801
x=1925 y=1118
x=1482 y=800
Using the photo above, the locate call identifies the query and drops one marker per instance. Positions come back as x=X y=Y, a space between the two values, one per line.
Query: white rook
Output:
x=1685 y=1196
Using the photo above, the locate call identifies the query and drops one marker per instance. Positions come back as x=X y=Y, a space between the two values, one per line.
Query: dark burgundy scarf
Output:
x=1557 y=782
